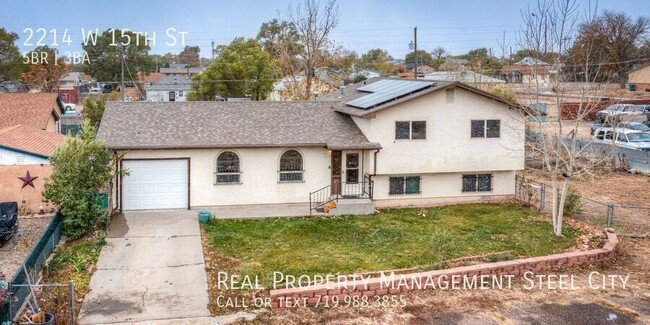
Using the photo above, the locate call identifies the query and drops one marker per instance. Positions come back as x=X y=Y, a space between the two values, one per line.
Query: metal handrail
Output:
x=324 y=195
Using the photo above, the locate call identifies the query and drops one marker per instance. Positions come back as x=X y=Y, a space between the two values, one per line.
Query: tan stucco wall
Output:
x=448 y=146
x=640 y=76
x=444 y=188
x=10 y=188
x=259 y=178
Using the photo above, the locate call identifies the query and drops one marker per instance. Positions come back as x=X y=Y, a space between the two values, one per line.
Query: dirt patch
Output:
x=14 y=252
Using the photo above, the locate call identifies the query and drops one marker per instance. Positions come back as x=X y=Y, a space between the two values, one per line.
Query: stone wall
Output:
x=378 y=286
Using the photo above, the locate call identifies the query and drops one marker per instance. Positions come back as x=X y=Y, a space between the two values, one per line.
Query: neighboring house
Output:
x=640 y=78
x=468 y=77
x=422 y=68
x=26 y=145
x=532 y=61
x=383 y=142
x=148 y=80
x=169 y=89
x=452 y=64
x=72 y=80
x=39 y=110
x=527 y=74
x=181 y=70
x=24 y=164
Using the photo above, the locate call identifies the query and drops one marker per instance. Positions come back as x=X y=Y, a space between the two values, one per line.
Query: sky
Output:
x=456 y=25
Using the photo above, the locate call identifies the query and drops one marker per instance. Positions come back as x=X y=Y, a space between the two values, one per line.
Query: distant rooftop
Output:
x=172 y=83
x=462 y=76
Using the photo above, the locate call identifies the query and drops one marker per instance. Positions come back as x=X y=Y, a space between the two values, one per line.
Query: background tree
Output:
x=547 y=29
x=93 y=111
x=313 y=24
x=45 y=74
x=377 y=60
x=423 y=57
x=11 y=65
x=439 y=54
x=281 y=40
x=81 y=167
x=105 y=56
x=242 y=69
x=619 y=37
x=190 y=55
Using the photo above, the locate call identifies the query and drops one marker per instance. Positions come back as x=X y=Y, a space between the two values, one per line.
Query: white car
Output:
x=624 y=138
x=69 y=107
x=95 y=90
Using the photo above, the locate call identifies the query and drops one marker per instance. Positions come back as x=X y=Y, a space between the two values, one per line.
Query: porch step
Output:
x=353 y=206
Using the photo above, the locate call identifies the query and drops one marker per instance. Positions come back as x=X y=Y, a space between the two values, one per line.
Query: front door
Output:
x=353 y=186
x=172 y=96
x=336 y=172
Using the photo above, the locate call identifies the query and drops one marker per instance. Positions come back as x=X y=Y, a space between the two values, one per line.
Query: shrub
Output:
x=573 y=204
x=80 y=168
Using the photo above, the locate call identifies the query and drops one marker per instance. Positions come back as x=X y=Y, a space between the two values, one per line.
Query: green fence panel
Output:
x=34 y=263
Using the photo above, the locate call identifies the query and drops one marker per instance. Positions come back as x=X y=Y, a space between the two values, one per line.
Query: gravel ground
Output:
x=14 y=252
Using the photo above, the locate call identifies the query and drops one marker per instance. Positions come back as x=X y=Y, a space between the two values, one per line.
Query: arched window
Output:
x=291 y=166
x=228 y=168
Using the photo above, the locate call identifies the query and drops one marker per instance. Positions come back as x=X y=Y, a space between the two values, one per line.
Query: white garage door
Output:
x=155 y=184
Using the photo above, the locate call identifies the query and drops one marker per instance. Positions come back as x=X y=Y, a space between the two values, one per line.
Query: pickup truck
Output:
x=624 y=138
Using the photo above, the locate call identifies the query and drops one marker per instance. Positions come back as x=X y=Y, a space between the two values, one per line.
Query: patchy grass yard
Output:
x=391 y=239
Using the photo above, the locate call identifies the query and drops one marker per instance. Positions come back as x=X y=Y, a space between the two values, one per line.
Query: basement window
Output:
x=477 y=183
x=404 y=185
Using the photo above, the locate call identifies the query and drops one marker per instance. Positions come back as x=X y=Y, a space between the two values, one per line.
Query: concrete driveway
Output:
x=151 y=271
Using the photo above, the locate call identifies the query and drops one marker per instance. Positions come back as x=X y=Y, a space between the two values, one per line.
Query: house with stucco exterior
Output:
x=378 y=143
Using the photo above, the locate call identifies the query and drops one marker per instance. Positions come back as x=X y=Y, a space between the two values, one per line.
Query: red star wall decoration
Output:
x=28 y=180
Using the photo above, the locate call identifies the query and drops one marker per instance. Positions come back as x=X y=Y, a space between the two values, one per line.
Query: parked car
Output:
x=95 y=90
x=107 y=88
x=69 y=106
x=8 y=220
x=624 y=138
x=623 y=112
x=637 y=126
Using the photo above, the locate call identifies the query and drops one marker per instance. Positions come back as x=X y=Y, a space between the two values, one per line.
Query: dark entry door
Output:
x=336 y=172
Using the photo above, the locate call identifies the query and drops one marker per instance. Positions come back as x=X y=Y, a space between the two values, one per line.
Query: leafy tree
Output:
x=45 y=74
x=242 y=69
x=613 y=38
x=190 y=55
x=93 y=111
x=162 y=61
x=281 y=40
x=345 y=60
x=11 y=65
x=480 y=61
x=423 y=57
x=81 y=167
x=378 y=60
x=105 y=56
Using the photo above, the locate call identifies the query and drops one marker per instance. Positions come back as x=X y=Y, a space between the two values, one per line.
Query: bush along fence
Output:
x=624 y=218
x=34 y=263
x=361 y=292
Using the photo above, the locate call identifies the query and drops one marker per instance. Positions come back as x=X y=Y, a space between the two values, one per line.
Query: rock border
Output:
x=320 y=294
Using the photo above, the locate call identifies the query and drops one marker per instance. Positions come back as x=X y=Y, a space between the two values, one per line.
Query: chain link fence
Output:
x=626 y=219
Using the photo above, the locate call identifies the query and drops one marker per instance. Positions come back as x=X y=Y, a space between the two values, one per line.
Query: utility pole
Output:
x=122 y=79
x=212 y=50
x=415 y=51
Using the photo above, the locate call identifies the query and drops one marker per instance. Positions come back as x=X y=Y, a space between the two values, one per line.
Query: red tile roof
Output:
x=30 y=139
x=33 y=109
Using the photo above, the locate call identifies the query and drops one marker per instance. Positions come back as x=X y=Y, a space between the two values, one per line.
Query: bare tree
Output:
x=548 y=29
x=439 y=53
x=313 y=22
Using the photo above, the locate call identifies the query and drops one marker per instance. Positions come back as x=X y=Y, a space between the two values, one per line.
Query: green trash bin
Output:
x=632 y=87
x=204 y=216
x=102 y=200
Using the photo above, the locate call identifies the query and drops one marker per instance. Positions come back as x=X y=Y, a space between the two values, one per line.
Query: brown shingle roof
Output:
x=33 y=109
x=30 y=139
x=179 y=125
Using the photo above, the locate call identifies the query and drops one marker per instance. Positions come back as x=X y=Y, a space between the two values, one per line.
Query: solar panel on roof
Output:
x=387 y=90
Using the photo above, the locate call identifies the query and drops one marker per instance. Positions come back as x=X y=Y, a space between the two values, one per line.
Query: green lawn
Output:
x=391 y=239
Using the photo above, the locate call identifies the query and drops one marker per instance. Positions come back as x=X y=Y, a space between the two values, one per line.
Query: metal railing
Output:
x=342 y=190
